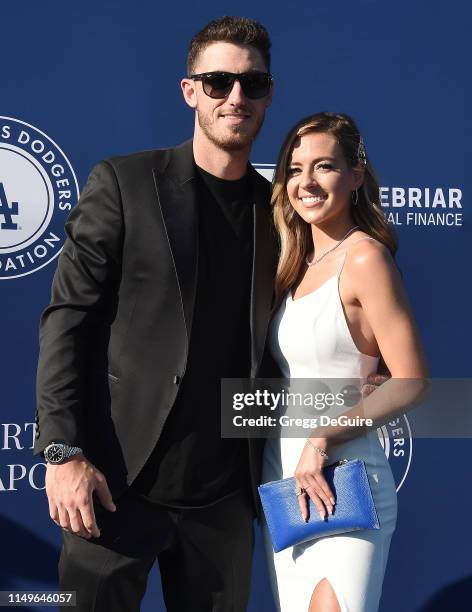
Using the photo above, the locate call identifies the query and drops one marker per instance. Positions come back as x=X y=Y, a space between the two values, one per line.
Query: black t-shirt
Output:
x=191 y=464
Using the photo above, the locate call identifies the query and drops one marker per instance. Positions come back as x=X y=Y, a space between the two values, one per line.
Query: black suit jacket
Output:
x=114 y=339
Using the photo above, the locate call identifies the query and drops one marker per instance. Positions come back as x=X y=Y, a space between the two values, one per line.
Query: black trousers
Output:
x=204 y=556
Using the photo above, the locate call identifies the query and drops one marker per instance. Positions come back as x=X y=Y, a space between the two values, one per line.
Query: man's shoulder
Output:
x=138 y=160
x=262 y=187
x=144 y=160
x=262 y=180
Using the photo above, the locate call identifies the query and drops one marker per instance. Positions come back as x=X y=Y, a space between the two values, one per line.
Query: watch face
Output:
x=55 y=454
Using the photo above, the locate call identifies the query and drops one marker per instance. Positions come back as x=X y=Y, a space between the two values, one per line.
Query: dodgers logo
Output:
x=397 y=442
x=38 y=188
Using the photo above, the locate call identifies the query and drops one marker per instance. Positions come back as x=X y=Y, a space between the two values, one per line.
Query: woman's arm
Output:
x=376 y=283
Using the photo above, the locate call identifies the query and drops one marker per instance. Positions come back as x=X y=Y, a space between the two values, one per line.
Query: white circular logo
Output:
x=38 y=188
x=397 y=442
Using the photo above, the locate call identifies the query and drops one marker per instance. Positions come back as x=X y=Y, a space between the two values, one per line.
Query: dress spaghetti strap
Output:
x=363 y=238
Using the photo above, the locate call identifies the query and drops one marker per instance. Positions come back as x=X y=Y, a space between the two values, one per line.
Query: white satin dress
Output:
x=309 y=338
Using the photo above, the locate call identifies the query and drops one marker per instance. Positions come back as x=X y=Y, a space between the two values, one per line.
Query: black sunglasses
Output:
x=218 y=85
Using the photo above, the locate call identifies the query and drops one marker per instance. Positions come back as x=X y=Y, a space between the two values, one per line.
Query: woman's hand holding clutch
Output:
x=310 y=480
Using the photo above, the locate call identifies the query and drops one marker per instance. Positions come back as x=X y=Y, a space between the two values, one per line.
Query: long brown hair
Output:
x=295 y=233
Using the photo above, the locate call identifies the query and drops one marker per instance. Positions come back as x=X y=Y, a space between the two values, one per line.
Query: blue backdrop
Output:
x=88 y=80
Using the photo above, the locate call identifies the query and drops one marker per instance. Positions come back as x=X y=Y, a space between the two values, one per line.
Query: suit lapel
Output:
x=263 y=268
x=176 y=190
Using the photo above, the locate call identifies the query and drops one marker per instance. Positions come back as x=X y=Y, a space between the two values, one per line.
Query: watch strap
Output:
x=70 y=451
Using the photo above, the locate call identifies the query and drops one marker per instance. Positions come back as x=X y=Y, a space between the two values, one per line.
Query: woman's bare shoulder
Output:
x=367 y=252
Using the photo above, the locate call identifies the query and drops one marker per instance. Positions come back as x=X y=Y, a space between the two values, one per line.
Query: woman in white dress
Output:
x=340 y=306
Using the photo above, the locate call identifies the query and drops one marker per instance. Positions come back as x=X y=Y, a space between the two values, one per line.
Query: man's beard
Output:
x=235 y=140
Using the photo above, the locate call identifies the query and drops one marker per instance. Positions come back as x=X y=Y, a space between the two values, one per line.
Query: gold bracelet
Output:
x=319 y=450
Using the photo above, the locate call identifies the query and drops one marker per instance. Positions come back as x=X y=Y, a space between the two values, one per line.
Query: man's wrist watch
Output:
x=58 y=453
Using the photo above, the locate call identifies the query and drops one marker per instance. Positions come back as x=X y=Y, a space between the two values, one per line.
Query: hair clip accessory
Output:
x=361 y=154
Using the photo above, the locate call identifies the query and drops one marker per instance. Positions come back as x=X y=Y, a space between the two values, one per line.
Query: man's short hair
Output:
x=236 y=30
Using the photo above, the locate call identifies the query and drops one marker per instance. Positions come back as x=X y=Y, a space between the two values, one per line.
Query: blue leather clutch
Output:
x=354 y=508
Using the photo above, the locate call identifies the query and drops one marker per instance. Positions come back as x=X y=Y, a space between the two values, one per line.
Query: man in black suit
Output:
x=163 y=287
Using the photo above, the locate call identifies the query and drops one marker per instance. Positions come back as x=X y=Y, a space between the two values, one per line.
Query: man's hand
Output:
x=373 y=381
x=70 y=488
